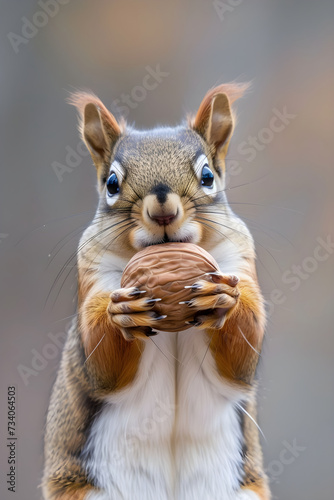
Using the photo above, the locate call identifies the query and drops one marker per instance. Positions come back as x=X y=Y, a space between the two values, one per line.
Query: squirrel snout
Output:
x=160 y=211
x=163 y=220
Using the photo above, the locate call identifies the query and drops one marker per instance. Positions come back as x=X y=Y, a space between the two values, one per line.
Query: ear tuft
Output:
x=214 y=118
x=233 y=91
x=98 y=126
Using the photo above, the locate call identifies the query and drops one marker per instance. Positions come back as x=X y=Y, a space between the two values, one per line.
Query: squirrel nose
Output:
x=163 y=220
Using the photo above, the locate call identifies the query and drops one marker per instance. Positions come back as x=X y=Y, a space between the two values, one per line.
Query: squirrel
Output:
x=138 y=413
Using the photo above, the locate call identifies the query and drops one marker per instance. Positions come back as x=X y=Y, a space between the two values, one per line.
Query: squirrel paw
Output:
x=132 y=314
x=212 y=300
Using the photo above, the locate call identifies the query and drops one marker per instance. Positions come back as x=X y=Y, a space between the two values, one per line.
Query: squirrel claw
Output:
x=163 y=316
x=151 y=333
x=136 y=292
x=194 y=323
x=194 y=287
x=151 y=302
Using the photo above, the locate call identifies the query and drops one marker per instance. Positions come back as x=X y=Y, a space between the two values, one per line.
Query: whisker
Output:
x=103 y=248
x=265 y=206
x=73 y=233
x=263 y=227
x=205 y=354
x=97 y=345
x=252 y=419
x=55 y=251
x=202 y=219
x=247 y=183
x=169 y=361
x=63 y=319
x=250 y=345
x=48 y=223
x=73 y=255
x=232 y=229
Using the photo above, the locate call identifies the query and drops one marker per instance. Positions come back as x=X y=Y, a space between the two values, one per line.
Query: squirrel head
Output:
x=159 y=185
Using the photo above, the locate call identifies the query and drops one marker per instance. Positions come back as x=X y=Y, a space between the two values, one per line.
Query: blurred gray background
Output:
x=280 y=180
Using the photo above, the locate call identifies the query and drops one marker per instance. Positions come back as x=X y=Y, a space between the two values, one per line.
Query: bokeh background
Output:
x=282 y=186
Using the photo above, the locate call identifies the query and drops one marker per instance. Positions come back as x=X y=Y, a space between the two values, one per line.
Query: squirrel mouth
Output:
x=186 y=239
x=166 y=239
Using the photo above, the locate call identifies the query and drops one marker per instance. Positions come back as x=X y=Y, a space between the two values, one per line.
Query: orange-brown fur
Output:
x=260 y=487
x=73 y=492
x=115 y=362
x=236 y=359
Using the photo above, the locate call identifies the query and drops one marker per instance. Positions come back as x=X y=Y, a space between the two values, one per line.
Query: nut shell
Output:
x=164 y=271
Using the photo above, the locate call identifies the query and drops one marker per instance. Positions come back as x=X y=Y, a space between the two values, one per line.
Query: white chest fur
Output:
x=174 y=433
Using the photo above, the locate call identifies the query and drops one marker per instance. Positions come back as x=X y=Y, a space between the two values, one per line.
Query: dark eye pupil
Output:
x=207 y=177
x=112 y=184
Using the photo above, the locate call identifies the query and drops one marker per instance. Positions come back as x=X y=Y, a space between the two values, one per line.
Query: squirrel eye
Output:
x=112 y=184
x=207 y=177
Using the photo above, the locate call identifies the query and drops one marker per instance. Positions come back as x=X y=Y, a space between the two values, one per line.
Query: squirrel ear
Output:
x=98 y=126
x=220 y=124
x=214 y=119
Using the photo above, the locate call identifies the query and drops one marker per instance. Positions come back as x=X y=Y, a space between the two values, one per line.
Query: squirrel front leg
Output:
x=113 y=326
x=231 y=311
